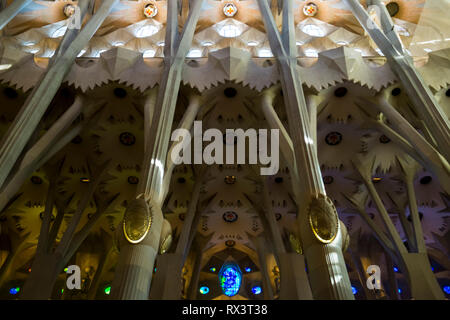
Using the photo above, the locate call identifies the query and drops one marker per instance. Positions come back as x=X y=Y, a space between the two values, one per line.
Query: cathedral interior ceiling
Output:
x=124 y=61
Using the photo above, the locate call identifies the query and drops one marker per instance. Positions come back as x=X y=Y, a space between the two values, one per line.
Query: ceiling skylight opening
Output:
x=427 y=50
x=230 y=31
x=118 y=44
x=194 y=53
x=252 y=43
x=150 y=53
x=59 y=32
x=265 y=53
x=160 y=43
x=33 y=50
x=48 y=54
x=207 y=43
x=98 y=53
x=147 y=31
x=28 y=43
x=313 y=30
x=401 y=31
x=342 y=43
x=311 y=53
x=299 y=43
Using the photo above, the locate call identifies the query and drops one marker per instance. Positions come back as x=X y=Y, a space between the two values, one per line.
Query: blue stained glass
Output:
x=14 y=290
x=204 y=290
x=354 y=290
x=230 y=278
x=447 y=289
x=256 y=290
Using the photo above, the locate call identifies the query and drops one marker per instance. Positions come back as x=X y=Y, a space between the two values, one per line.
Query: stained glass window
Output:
x=230 y=278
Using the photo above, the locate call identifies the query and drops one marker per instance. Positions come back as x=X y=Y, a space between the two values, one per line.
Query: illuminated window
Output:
x=207 y=43
x=59 y=32
x=311 y=53
x=446 y=289
x=354 y=290
x=204 y=290
x=230 y=31
x=149 y=53
x=230 y=278
x=313 y=30
x=194 y=53
x=265 y=53
x=14 y=290
x=147 y=31
x=256 y=290
x=108 y=290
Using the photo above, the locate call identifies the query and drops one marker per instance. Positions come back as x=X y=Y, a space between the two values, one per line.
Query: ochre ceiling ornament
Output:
x=150 y=10
x=69 y=10
x=229 y=9
x=323 y=219
x=310 y=9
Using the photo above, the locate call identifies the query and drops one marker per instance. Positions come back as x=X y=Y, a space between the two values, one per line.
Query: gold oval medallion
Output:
x=323 y=219
x=137 y=221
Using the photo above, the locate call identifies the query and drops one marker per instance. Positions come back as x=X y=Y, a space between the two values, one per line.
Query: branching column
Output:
x=402 y=65
x=168 y=282
x=7 y=14
x=327 y=271
x=39 y=99
x=143 y=219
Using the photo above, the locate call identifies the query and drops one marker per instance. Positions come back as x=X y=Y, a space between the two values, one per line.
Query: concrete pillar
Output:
x=39 y=99
x=260 y=244
x=168 y=282
x=327 y=270
x=294 y=280
x=136 y=262
x=7 y=14
x=402 y=65
x=38 y=151
x=151 y=184
x=193 y=287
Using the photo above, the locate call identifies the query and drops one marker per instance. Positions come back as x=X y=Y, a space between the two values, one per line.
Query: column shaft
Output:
x=7 y=14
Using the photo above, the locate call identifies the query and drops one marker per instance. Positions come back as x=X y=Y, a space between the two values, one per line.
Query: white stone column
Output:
x=39 y=99
x=402 y=65
x=135 y=274
x=8 y=13
x=259 y=243
x=327 y=271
